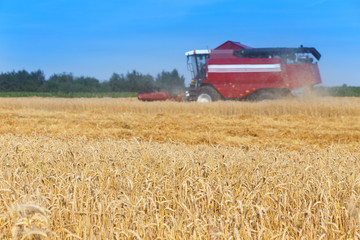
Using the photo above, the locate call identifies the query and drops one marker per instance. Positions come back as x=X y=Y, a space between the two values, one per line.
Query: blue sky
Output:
x=98 y=38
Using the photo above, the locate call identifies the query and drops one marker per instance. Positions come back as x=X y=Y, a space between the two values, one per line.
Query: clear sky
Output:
x=99 y=37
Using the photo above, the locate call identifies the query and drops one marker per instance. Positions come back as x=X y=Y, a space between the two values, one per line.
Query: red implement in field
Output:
x=237 y=71
x=159 y=96
x=154 y=96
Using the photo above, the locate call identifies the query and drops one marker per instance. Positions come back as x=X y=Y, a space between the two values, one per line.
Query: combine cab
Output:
x=236 y=71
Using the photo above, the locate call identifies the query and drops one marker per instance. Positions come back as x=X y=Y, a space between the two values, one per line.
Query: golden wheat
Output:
x=117 y=169
x=292 y=124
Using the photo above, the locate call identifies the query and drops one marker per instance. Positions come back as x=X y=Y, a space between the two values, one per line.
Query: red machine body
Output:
x=235 y=71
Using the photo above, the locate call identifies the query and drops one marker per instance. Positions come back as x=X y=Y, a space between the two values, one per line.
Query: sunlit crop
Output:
x=123 y=169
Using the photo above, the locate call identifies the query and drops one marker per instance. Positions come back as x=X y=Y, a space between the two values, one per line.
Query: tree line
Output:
x=24 y=81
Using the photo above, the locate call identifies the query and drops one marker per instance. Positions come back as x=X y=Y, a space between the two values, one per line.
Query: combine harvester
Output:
x=236 y=71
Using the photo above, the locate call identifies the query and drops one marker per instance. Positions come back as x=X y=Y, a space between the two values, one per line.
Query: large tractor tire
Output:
x=208 y=94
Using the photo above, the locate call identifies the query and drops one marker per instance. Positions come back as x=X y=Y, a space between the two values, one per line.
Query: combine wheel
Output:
x=208 y=94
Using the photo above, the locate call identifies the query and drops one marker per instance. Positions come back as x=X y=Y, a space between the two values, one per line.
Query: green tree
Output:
x=171 y=82
x=35 y=81
x=118 y=83
x=21 y=81
x=86 y=84
x=131 y=82
x=6 y=82
x=59 y=83
x=138 y=82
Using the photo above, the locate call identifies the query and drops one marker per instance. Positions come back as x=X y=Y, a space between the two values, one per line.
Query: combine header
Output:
x=159 y=96
x=237 y=71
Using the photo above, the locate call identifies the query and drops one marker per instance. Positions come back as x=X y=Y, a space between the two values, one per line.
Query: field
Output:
x=122 y=169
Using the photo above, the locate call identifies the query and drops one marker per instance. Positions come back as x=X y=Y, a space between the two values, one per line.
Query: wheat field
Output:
x=123 y=169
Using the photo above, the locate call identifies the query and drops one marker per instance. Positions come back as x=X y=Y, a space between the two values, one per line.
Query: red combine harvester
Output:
x=236 y=71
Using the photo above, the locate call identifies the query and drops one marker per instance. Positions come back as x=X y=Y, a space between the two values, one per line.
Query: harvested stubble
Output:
x=75 y=179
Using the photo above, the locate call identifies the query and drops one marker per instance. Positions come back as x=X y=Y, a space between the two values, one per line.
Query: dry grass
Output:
x=71 y=169
x=316 y=107
x=292 y=124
